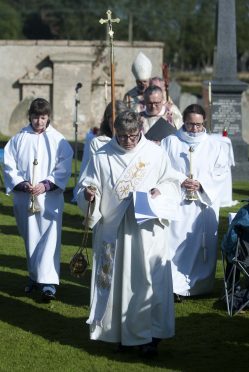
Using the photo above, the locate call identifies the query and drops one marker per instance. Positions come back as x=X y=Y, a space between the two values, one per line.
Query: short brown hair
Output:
x=39 y=106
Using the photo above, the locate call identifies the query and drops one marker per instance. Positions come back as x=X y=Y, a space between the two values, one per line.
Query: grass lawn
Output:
x=54 y=337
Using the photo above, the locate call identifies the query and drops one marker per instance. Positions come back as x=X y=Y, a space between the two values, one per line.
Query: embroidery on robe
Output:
x=132 y=177
x=104 y=274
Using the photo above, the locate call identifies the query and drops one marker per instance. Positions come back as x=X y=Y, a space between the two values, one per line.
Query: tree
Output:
x=10 y=22
x=242 y=17
x=187 y=28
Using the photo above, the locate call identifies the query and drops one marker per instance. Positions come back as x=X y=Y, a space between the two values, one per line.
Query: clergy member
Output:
x=172 y=112
x=201 y=168
x=141 y=69
x=156 y=118
x=37 y=166
x=131 y=293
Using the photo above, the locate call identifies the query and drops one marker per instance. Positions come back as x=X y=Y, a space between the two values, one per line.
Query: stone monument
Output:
x=226 y=89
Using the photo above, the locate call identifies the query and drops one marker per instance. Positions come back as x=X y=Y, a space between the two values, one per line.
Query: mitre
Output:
x=141 y=67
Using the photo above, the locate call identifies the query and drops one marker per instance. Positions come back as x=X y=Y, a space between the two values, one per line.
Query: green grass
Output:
x=54 y=337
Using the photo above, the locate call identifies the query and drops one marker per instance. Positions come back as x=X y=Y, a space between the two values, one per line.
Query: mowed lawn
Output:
x=54 y=337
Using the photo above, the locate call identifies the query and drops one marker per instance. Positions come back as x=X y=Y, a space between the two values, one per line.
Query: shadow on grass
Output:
x=198 y=346
x=75 y=293
x=13 y=262
x=9 y=230
x=7 y=211
x=241 y=191
x=74 y=238
x=43 y=322
x=72 y=220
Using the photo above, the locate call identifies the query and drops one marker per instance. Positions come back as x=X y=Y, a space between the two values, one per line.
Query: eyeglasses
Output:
x=192 y=125
x=125 y=137
x=154 y=103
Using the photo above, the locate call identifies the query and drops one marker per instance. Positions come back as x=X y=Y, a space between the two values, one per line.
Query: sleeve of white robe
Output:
x=212 y=178
x=181 y=177
x=62 y=171
x=213 y=181
x=12 y=176
x=169 y=186
x=90 y=177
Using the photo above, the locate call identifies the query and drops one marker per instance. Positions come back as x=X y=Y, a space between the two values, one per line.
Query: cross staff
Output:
x=109 y=22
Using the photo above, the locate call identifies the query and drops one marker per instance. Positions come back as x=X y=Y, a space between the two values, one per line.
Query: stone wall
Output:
x=51 y=69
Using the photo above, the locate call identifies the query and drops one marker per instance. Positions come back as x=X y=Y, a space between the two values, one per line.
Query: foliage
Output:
x=3 y=137
x=10 y=22
x=242 y=7
x=187 y=28
x=54 y=337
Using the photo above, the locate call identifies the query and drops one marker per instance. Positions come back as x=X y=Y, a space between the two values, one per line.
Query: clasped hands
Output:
x=34 y=190
x=191 y=185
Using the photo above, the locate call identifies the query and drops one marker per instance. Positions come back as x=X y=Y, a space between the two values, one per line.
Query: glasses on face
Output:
x=192 y=125
x=125 y=137
x=154 y=103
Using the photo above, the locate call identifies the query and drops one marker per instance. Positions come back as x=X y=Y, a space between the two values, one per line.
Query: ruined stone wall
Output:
x=51 y=69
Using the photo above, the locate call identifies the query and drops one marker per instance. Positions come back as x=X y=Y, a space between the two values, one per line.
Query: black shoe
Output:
x=47 y=296
x=30 y=287
x=155 y=340
x=149 y=350
x=122 y=348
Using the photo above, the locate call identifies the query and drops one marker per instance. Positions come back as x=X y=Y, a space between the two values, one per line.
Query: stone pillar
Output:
x=68 y=70
x=227 y=89
x=226 y=59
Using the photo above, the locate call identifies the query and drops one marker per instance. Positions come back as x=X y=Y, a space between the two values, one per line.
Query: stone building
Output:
x=51 y=69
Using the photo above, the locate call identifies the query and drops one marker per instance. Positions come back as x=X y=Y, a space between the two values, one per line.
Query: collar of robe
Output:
x=186 y=137
x=120 y=150
x=161 y=113
x=30 y=129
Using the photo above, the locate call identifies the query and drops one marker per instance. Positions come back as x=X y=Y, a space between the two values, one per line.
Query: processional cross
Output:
x=109 y=22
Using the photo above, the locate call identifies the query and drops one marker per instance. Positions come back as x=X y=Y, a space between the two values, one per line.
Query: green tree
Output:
x=242 y=17
x=10 y=22
x=186 y=27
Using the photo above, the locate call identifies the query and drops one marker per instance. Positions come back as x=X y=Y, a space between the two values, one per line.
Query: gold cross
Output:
x=109 y=20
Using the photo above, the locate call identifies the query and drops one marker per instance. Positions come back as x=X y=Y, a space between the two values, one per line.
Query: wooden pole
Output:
x=166 y=79
x=109 y=22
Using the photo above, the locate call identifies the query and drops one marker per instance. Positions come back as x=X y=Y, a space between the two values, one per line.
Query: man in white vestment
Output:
x=156 y=118
x=172 y=112
x=37 y=166
x=141 y=69
x=201 y=166
x=104 y=136
x=131 y=291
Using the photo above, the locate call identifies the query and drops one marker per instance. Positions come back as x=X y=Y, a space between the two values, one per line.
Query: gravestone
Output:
x=226 y=89
x=245 y=115
x=175 y=92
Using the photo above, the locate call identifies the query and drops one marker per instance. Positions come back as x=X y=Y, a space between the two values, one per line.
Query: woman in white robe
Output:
x=193 y=239
x=105 y=133
x=131 y=291
x=46 y=182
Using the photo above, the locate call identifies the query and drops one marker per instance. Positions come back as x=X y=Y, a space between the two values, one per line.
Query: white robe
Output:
x=193 y=239
x=41 y=231
x=131 y=291
x=226 y=196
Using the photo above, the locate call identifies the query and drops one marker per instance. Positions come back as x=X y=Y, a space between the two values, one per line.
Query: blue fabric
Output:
x=48 y=287
x=239 y=227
